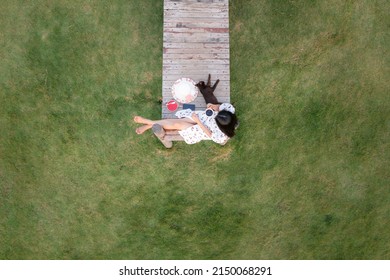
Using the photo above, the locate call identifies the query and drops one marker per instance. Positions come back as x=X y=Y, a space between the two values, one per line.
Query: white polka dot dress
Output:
x=195 y=134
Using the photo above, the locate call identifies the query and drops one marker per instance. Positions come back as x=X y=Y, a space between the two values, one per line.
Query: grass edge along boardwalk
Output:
x=195 y=44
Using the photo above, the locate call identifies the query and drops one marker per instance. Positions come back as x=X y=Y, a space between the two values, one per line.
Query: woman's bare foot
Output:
x=143 y=128
x=138 y=119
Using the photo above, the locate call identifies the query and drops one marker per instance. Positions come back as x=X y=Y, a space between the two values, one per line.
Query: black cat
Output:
x=208 y=91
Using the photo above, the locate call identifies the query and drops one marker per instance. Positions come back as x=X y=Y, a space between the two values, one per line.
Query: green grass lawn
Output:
x=307 y=176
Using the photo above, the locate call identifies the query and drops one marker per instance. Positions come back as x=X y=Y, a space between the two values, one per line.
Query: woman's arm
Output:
x=223 y=106
x=201 y=125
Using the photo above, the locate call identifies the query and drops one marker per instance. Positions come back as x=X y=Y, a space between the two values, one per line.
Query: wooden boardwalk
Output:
x=195 y=44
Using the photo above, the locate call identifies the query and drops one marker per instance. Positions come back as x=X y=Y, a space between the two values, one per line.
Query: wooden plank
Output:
x=202 y=33
x=196 y=38
x=197 y=21
x=195 y=56
x=181 y=2
x=170 y=80
x=160 y=134
x=190 y=14
x=196 y=29
x=190 y=23
x=199 y=73
x=198 y=1
x=206 y=67
x=198 y=45
x=221 y=88
x=191 y=4
x=195 y=51
x=198 y=62
x=197 y=77
x=199 y=99
x=196 y=11
x=221 y=93
x=197 y=8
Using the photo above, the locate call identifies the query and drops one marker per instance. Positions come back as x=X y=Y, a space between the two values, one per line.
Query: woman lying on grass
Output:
x=197 y=126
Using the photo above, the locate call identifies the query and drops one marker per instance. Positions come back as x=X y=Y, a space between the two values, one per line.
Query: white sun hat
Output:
x=184 y=90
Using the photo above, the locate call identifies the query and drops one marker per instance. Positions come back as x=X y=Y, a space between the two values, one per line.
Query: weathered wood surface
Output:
x=195 y=44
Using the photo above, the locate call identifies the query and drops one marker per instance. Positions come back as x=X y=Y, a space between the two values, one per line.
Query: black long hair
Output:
x=227 y=122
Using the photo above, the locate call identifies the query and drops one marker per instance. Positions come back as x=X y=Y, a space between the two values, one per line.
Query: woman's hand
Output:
x=195 y=118
x=214 y=107
x=201 y=125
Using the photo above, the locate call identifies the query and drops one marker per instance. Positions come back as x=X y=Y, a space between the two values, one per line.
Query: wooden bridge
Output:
x=195 y=44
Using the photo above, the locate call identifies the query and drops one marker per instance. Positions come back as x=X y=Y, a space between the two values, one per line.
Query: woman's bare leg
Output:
x=143 y=128
x=176 y=124
x=142 y=120
x=166 y=123
x=170 y=124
